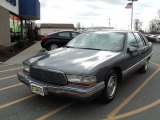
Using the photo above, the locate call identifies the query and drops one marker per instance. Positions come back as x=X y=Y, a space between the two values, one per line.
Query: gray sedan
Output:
x=91 y=65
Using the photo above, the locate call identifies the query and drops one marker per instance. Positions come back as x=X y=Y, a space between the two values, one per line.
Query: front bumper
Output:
x=73 y=91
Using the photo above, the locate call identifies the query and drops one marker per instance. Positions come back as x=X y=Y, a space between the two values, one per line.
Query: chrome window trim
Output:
x=125 y=71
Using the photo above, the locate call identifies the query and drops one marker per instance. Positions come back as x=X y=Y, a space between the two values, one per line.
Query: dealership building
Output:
x=16 y=18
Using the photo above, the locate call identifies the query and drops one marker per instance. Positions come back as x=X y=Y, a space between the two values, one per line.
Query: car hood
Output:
x=72 y=60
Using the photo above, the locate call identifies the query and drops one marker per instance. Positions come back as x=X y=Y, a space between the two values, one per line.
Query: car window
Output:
x=74 y=34
x=139 y=40
x=132 y=42
x=143 y=39
x=55 y=35
x=64 y=35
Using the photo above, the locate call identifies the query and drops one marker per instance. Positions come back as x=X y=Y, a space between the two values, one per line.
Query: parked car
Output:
x=58 y=39
x=153 y=38
x=158 y=38
x=89 y=66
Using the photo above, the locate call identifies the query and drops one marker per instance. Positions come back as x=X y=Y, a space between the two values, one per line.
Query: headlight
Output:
x=79 y=80
x=26 y=68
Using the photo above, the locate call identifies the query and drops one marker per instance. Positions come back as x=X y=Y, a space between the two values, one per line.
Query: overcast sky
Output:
x=97 y=12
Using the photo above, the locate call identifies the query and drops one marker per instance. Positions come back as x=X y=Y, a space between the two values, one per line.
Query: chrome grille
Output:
x=48 y=76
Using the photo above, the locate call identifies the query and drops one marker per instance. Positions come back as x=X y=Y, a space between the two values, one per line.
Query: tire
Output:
x=144 y=68
x=111 y=83
x=53 y=46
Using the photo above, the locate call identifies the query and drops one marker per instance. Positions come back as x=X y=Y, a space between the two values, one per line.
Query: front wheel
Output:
x=53 y=46
x=109 y=91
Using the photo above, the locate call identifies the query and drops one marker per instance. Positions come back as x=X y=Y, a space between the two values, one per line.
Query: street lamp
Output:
x=132 y=11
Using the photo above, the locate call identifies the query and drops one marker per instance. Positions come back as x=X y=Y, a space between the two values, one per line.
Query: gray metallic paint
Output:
x=87 y=62
x=77 y=61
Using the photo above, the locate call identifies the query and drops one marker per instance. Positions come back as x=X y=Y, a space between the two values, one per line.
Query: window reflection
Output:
x=15 y=28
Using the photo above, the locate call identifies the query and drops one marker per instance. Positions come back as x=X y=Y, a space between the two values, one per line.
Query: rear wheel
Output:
x=144 y=68
x=53 y=46
x=109 y=91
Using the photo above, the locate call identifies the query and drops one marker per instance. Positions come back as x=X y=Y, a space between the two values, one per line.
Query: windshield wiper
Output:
x=91 y=48
x=82 y=48
x=69 y=46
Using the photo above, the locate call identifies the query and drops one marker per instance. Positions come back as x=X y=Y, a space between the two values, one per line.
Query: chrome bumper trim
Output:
x=71 y=90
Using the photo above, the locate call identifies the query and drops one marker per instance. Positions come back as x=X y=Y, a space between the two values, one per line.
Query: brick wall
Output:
x=5 y=38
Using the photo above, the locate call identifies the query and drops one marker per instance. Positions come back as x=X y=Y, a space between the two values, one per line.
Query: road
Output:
x=138 y=98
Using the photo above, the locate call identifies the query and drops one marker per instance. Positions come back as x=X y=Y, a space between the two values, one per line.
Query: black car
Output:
x=56 y=40
x=89 y=66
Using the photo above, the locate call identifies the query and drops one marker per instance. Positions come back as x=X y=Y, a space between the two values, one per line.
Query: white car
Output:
x=158 y=38
x=152 y=36
x=155 y=38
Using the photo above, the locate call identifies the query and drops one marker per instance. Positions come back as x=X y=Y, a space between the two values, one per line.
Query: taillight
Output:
x=44 y=38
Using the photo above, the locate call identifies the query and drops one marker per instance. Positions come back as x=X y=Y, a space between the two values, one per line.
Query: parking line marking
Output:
x=126 y=101
x=54 y=111
x=6 y=65
x=8 y=77
x=155 y=63
x=10 y=69
x=124 y=115
x=16 y=101
x=12 y=86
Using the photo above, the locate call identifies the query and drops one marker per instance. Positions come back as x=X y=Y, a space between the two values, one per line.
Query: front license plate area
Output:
x=38 y=89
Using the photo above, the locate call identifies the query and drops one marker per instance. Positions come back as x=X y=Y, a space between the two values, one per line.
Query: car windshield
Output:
x=108 y=41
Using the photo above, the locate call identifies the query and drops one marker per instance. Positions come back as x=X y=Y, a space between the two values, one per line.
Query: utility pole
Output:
x=128 y=27
x=116 y=26
x=109 y=22
x=132 y=15
x=132 y=1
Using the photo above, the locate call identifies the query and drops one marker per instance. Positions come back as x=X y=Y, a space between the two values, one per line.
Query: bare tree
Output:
x=158 y=21
x=137 y=25
x=153 y=26
x=159 y=14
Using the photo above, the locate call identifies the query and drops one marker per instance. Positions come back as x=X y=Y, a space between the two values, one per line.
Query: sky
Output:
x=98 y=12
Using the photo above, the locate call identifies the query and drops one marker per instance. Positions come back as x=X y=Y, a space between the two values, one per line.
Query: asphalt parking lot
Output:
x=138 y=98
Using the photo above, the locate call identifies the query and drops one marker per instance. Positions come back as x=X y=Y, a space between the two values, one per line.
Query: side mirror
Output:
x=149 y=43
x=132 y=50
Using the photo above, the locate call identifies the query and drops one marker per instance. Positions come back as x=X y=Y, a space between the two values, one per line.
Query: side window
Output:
x=64 y=35
x=54 y=35
x=139 y=40
x=132 y=42
x=74 y=34
x=143 y=38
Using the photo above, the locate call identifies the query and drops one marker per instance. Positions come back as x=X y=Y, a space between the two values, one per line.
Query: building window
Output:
x=12 y=2
x=15 y=28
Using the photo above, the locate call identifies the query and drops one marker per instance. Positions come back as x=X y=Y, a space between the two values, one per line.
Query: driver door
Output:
x=131 y=60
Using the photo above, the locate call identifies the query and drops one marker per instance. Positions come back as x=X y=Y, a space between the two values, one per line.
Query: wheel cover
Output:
x=112 y=85
x=54 y=46
x=146 y=66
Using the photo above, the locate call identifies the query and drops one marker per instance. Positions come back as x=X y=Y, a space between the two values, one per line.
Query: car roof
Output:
x=106 y=31
x=63 y=31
